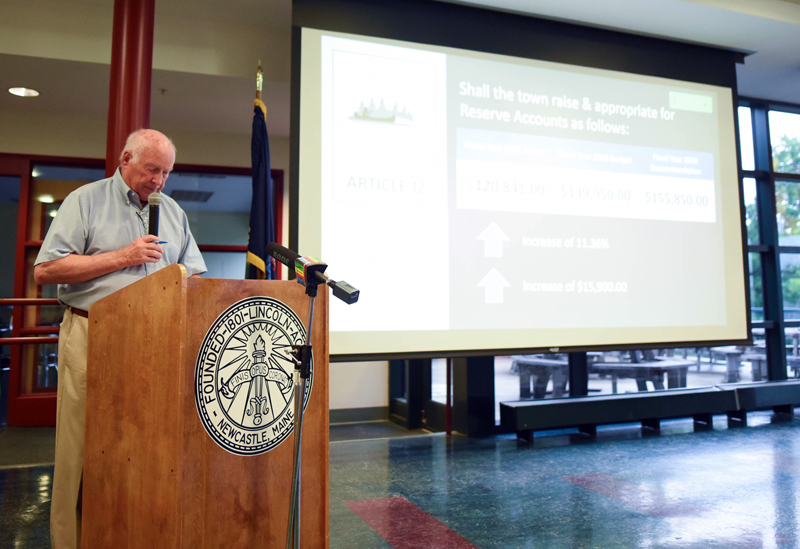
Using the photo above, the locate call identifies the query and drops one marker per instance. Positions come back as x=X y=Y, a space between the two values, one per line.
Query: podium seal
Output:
x=244 y=376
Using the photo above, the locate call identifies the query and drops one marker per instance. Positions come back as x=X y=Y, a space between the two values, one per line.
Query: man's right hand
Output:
x=76 y=268
x=142 y=250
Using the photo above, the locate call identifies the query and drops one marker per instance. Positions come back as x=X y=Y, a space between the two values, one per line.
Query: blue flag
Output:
x=262 y=218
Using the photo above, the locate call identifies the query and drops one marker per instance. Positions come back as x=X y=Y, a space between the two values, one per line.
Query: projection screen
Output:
x=483 y=202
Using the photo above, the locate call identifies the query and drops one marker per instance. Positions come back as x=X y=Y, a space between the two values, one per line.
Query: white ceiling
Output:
x=205 y=57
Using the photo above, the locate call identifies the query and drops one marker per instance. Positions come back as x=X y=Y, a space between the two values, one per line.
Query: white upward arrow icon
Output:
x=494 y=284
x=493 y=238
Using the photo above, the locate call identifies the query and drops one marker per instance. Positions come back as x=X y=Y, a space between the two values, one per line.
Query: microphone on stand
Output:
x=154 y=200
x=311 y=271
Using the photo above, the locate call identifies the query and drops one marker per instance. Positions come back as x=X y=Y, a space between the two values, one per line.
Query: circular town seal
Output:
x=244 y=376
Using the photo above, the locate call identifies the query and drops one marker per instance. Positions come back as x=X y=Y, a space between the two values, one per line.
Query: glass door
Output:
x=9 y=205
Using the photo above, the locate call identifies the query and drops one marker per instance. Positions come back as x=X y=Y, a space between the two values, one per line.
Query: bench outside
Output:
x=642 y=372
x=540 y=370
x=758 y=362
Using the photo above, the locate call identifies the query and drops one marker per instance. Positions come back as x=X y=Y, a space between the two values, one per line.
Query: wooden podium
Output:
x=153 y=477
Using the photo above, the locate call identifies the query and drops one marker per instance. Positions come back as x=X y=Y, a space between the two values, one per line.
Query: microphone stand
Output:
x=301 y=356
x=311 y=273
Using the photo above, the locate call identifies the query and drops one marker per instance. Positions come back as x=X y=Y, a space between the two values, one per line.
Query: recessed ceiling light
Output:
x=23 y=92
x=46 y=199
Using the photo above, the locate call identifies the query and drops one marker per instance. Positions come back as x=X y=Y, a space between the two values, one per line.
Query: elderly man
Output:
x=97 y=244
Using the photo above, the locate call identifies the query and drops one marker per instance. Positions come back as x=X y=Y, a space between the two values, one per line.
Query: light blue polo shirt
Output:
x=105 y=216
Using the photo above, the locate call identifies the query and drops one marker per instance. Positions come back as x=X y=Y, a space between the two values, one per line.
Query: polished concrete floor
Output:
x=726 y=489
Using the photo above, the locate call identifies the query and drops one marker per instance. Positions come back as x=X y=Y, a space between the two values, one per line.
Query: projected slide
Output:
x=470 y=193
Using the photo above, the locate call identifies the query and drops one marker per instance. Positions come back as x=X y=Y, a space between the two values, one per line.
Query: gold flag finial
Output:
x=259 y=80
x=259 y=87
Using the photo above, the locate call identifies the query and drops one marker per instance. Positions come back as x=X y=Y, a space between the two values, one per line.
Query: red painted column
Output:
x=131 y=73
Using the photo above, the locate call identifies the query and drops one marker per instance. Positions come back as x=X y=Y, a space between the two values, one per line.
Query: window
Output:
x=751 y=211
x=784 y=132
x=218 y=208
x=756 y=288
x=9 y=204
x=746 y=139
x=50 y=185
x=787 y=208
x=790 y=284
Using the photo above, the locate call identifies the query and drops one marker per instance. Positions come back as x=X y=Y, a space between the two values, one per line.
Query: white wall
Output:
x=66 y=135
x=359 y=385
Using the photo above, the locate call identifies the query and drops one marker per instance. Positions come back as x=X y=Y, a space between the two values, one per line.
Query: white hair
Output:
x=140 y=140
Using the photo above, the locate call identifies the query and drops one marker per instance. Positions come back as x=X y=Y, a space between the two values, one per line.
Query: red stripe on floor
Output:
x=637 y=496
x=405 y=526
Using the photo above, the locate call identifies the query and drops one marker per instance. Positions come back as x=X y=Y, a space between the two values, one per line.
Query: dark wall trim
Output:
x=358 y=415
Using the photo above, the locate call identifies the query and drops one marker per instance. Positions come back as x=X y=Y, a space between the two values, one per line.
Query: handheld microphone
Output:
x=154 y=200
x=311 y=271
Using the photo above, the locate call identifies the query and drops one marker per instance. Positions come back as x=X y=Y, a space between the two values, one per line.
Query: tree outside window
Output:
x=786 y=155
x=784 y=131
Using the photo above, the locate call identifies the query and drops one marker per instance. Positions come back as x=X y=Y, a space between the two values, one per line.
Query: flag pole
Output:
x=259 y=266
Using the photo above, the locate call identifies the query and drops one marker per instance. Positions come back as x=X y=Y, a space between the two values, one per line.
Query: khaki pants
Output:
x=65 y=516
